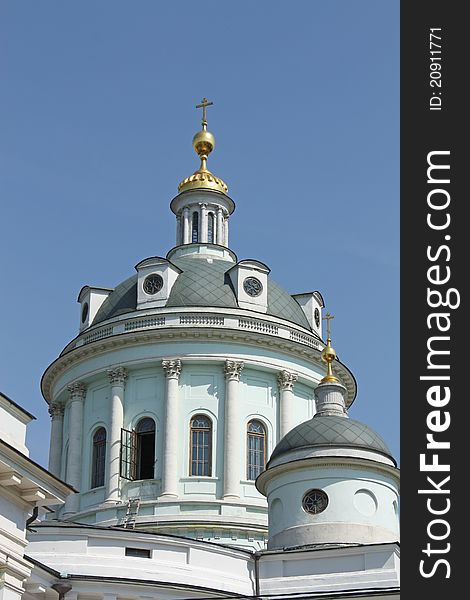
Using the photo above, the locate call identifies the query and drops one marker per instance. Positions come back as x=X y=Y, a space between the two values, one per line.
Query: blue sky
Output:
x=97 y=116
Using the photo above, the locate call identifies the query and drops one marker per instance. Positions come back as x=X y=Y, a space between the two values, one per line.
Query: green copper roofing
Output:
x=334 y=432
x=201 y=283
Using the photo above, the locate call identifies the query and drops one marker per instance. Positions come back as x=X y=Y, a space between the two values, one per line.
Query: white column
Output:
x=56 y=410
x=171 y=442
x=77 y=392
x=186 y=226
x=219 y=239
x=233 y=433
x=226 y=230
x=286 y=382
x=178 y=230
x=117 y=379
x=203 y=222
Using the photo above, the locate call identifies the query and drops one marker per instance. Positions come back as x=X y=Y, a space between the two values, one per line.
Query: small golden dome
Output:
x=203 y=144
x=203 y=179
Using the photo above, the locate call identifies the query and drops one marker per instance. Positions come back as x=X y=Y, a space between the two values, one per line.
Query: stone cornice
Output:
x=203 y=333
x=348 y=462
x=228 y=318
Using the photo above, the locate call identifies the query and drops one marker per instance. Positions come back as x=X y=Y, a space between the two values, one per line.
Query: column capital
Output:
x=233 y=369
x=56 y=410
x=172 y=368
x=203 y=204
x=77 y=390
x=286 y=380
x=117 y=376
x=186 y=210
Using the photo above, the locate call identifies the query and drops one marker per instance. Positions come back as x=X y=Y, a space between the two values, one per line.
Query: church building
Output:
x=200 y=424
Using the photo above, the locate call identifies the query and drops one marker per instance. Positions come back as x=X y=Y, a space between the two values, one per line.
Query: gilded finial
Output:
x=203 y=144
x=328 y=354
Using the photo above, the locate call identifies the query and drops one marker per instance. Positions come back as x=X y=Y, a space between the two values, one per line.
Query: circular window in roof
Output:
x=314 y=502
x=317 y=317
x=153 y=284
x=252 y=286
x=84 y=312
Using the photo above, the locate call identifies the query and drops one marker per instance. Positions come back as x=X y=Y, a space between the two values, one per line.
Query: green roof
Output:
x=201 y=283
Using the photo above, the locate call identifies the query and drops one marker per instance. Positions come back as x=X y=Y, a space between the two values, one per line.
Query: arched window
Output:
x=145 y=448
x=256 y=449
x=98 y=458
x=200 y=446
x=195 y=230
x=210 y=228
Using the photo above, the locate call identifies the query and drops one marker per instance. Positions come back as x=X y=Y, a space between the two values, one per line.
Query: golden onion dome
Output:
x=203 y=144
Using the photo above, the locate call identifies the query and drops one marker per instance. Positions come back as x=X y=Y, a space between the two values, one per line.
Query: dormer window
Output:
x=91 y=299
x=156 y=277
x=250 y=282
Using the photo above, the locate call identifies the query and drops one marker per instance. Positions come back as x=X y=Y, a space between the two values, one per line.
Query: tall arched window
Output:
x=195 y=229
x=98 y=458
x=210 y=228
x=145 y=448
x=200 y=446
x=256 y=449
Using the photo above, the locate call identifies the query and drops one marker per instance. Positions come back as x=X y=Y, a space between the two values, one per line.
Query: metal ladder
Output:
x=128 y=522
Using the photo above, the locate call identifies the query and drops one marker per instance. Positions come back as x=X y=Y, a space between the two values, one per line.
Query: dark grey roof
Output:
x=201 y=284
x=122 y=300
x=332 y=432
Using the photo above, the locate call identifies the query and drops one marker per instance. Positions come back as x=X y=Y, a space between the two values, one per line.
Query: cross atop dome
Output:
x=203 y=144
x=204 y=104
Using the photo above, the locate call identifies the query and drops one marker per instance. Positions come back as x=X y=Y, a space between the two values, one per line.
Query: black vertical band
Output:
x=434 y=259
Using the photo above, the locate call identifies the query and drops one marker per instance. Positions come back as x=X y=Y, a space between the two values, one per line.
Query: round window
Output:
x=252 y=286
x=84 y=312
x=153 y=284
x=314 y=502
x=317 y=317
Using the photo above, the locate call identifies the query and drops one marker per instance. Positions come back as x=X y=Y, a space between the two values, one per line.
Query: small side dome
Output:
x=335 y=432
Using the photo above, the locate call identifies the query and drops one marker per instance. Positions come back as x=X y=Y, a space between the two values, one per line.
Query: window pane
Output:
x=145 y=425
x=98 y=458
x=200 y=446
x=256 y=449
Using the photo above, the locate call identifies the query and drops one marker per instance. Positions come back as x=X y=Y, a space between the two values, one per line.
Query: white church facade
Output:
x=208 y=452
